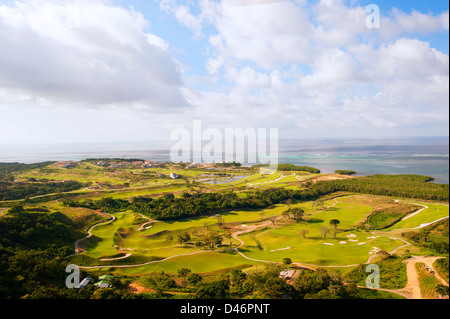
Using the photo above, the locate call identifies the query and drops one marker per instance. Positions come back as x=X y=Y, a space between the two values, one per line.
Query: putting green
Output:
x=207 y=262
x=271 y=243
x=315 y=250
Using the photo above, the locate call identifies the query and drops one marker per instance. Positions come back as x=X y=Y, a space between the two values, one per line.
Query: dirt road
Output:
x=412 y=288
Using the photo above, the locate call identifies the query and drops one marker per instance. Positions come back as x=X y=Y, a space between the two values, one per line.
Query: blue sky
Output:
x=117 y=70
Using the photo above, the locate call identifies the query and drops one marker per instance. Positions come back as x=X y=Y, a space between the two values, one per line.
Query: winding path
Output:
x=410 y=291
x=77 y=248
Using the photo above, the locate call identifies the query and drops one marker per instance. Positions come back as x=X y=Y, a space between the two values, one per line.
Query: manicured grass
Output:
x=284 y=240
x=219 y=262
x=313 y=250
x=432 y=213
x=102 y=242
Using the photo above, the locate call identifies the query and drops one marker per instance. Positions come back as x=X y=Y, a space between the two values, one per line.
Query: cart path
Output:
x=410 y=291
x=76 y=244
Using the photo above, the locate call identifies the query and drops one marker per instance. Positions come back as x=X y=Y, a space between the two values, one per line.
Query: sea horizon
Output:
x=368 y=156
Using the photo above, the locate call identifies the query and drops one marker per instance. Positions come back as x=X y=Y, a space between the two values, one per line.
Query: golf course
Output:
x=152 y=224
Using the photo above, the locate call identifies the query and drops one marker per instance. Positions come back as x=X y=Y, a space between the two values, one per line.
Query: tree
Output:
x=228 y=236
x=237 y=276
x=383 y=254
x=289 y=202
x=169 y=238
x=213 y=239
x=219 y=220
x=286 y=215
x=324 y=231
x=442 y=290
x=334 y=223
x=304 y=232
x=184 y=238
x=194 y=279
x=272 y=220
x=262 y=215
x=298 y=213
x=184 y=272
x=274 y=288
x=287 y=261
x=215 y=290
x=319 y=204
x=16 y=209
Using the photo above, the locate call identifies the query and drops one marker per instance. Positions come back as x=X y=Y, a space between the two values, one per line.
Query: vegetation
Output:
x=409 y=186
x=430 y=287
x=198 y=225
x=293 y=168
x=345 y=172
x=434 y=237
x=392 y=273
x=24 y=190
x=442 y=267
x=36 y=230
x=383 y=218
x=7 y=170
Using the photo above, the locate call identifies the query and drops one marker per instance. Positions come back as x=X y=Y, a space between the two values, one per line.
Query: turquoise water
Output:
x=424 y=156
x=436 y=167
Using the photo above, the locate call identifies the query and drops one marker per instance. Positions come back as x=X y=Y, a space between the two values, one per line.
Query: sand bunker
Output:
x=353 y=240
x=280 y=249
x=342 y=242
x=361 y=243
x=352 y=235
x=372 y=237
x=328 y=244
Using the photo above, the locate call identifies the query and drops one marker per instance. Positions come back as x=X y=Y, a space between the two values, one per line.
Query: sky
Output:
x=79 y=71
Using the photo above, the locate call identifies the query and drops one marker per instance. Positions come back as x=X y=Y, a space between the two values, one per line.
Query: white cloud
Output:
x=88 y=53
x=318 y=65
x=288 y=64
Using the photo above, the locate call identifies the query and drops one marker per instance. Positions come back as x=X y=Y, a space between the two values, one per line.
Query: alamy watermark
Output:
x=211 y=145
x=73 y=280
x=373 y=280
x=373 y=19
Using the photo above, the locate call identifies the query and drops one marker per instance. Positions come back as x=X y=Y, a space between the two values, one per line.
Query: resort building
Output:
x=104 y=281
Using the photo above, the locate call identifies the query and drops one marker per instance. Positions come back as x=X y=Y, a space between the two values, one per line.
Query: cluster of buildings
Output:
x=66 y=164
x=102 y=283
x=114 y=164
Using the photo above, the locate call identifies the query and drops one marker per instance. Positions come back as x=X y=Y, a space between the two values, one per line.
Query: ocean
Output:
x=423 y=155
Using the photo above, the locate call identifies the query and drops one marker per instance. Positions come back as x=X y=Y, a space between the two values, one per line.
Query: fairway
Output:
x=428 y=215
x=261 y=238
x=204 y=263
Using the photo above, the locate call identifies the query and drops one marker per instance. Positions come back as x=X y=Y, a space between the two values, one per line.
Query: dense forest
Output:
x=409 y=186
x=36 y=230
x=345 y=172
x=30 y=189
x=434 y=237
x=188 y=205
